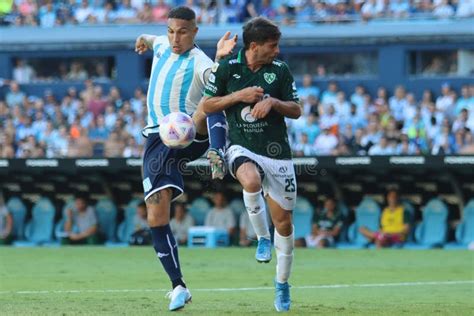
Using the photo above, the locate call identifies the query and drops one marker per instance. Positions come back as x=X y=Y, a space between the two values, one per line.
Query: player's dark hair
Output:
x=182 y=13
x=260 y=30
x=142 y=205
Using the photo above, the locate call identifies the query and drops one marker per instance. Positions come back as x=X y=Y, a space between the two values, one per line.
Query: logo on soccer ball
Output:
x=269 y=77
x=177 y=130
x=246 y=115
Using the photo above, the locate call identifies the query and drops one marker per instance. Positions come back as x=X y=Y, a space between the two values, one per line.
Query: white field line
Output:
x=241 y=289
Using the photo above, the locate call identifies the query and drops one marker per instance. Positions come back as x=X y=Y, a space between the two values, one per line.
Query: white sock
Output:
x=255 y=206
x=284 y=251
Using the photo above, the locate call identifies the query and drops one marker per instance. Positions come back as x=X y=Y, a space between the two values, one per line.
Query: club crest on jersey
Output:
x=269 y=77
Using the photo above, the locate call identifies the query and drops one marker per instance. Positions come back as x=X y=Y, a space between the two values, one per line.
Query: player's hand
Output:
x=140 y=45
x=262 y=108
x=250 y=95
x=225 y=45
x=73 y=236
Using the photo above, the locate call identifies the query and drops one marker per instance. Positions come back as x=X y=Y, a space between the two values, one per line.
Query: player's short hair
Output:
x=260 y=30
x=182 y=13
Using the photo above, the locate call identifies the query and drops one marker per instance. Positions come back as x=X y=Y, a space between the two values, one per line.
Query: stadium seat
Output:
x=126 y=227
x=367 y=215
x=208 y=237
x=432 y=231
x=343 y=210
x=199 y=209
x=410 y=209
x=237 y=206
x=40 y=229
x=302 y=217
x=465 y=229
x=17 y=209
x=107 y=218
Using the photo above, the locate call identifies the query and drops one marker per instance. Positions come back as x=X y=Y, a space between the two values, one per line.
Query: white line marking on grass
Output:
x=241 y=289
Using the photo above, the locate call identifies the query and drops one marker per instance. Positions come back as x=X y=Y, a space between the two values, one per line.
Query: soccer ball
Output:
x=177 y=130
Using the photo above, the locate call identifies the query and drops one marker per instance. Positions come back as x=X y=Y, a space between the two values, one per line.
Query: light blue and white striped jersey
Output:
x=176 y=82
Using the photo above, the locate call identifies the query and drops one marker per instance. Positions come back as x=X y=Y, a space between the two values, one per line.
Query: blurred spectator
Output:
x=83 y=12
x=141 y=231
x=445 y=102
x=80 y=225
x=221 y=216
x=180 y=223
x=382 y=148
x=443 y=10
x=465 y=9
x=47 y=15
x=6 y=224
x=327 y=225
x=329 y=96
x=398 y=104
x=325 y=143
x=14 y=96
x=160 y=12
x=98 y=102
x=307 y=88
x=394 y=225
x=114 y=146
x=23 y=73
x=77 y=72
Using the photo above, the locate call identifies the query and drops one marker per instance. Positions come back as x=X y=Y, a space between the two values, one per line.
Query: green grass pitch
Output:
x=130 y=281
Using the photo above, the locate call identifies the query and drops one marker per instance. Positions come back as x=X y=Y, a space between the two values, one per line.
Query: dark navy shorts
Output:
x=163 y=166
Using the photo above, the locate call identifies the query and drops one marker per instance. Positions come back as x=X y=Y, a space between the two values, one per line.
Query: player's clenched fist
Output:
x=251 y=94
x=262 y=108
x=141 y=45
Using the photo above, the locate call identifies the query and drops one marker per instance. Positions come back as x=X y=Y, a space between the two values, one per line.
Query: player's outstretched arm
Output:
x=289 y=109
x=249 y=95
x=225 y=46
x=144 y=42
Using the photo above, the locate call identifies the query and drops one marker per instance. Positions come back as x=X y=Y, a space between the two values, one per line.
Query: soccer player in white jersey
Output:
x=178 y=76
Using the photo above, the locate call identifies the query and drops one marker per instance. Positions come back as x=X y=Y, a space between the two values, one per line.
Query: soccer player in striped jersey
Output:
x=179 y=72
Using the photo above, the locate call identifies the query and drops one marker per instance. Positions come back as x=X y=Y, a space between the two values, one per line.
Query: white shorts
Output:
x=279 y=181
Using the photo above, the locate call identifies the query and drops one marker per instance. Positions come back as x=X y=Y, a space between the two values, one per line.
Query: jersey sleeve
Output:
x=216 y=85
x=288 y=86
x=159 y=40
x=203 y=67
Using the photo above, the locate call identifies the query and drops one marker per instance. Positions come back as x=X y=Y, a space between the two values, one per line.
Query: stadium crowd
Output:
x=97 y=123
x=50 y=13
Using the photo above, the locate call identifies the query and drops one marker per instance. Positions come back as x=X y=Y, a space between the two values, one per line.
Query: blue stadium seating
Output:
x=237 y=206
x=465 y=229
x=302 y=217
x=367 y=215
x=17 y=209
x=126 y=227
x=39 y=230
x=410 y=209
x=432 y=231
x=107 y=218
x=199 y=209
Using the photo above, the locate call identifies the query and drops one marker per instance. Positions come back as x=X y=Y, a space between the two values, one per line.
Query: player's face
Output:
x=181 y=35
x=268 y=51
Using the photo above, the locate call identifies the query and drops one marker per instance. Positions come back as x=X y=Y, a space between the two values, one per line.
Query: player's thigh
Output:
x=280 y=182
x=282 y=218
x=158 y=207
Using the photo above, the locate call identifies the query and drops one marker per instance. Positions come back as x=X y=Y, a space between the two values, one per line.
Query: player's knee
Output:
x=251 y=181
x=283 y=224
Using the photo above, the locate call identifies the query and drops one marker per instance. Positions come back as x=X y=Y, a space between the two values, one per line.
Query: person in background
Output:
x=141 y=233
x=221 y=215
x=81 y=223
x=326 y=226
x=180 y=223
x=6 y=224
x=394 y=225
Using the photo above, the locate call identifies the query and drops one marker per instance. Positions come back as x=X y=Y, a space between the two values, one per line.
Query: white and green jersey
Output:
x=176 y=82
x=267 y=136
